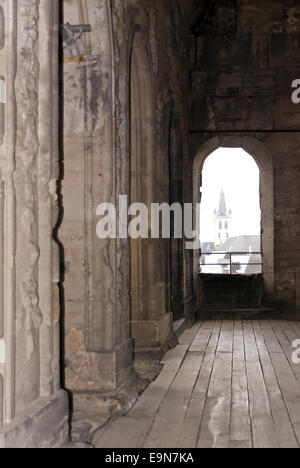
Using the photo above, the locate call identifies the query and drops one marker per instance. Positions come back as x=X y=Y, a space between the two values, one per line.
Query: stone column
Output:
x=98 y=350
x=34 y=411
x=151 y=320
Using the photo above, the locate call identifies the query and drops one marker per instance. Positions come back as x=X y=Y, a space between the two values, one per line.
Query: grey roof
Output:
x=241 y=244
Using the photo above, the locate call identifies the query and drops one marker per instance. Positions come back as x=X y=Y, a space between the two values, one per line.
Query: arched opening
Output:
x=264 y=161
x=230 y=221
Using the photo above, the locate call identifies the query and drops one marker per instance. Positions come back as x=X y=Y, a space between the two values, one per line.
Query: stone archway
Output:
x=264 y=161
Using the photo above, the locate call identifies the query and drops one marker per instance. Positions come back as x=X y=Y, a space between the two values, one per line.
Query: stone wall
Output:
x=33 y=409
x=124 y=124
x=244 y=58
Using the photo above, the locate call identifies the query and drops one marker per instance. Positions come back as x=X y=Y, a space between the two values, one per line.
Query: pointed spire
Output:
x=222 y=206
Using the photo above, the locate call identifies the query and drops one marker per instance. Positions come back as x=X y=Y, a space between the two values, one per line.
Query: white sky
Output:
x=237 y=172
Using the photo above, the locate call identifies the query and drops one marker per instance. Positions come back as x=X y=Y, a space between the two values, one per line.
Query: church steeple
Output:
x=222 y=206
x=222 y=221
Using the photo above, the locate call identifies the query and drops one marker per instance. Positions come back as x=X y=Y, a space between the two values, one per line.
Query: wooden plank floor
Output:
x=228 y=384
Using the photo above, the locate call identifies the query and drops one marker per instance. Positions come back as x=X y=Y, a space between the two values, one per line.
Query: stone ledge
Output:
x=44 y=425
x=94 y=410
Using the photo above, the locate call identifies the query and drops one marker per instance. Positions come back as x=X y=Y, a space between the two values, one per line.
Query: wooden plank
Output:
x=215 y=336
x=129 y=431
x=259 y=336
x=208 y=324
x=226 y=337
x=214 y=432
x=168 y=422
x=248 y=325
x=189 y=334
x=279 y=332
x=228 y=325
x=296 y=327
x=283 y=426
x=190 y=430
x=215 y=426
x=122 y=433
x=265 y=325
x=148 y=404
x=285 y=325
x=191 y=427
x=251 y=352
x=263 y=430
x=238 y=337
x=255 y=324
x=202 y=338
x=286 y=336
x=240 y=426
x=271 y=340
x=174 y=357
x=220 y=384
x=240 y=444
x=291 y=332
x=290 y=389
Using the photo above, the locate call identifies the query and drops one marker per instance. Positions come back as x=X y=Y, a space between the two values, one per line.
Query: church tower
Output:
x=222 y=222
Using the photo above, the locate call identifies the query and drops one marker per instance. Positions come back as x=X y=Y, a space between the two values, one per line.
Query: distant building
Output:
x=222 y=221
x=207 y=247
x=243 y=252
x=245 y=244
x=227 y=254
x=243 y=264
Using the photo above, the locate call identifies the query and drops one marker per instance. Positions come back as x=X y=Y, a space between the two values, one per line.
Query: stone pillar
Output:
x=98 y=350
x=151 y=320
x=176 y=196
x=33 y=409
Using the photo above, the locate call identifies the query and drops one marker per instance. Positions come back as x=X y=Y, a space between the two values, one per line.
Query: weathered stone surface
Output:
x=34 y=412
x=43 y=425
x=77 y=311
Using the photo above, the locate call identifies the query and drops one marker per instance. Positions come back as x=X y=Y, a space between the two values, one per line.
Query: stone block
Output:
x=43 y=425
